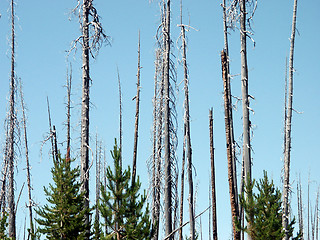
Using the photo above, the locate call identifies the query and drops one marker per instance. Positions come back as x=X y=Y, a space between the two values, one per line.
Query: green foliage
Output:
x=3 y=226
x=63 y=217
x=264 y=211
x=122 y=206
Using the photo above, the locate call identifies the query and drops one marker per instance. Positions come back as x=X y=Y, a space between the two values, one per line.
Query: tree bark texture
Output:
x=85 y=110
x=156 y=161
x=167 y=142
x=213 y=181
x=286 y=179
x=233 y=196
x=11 y=137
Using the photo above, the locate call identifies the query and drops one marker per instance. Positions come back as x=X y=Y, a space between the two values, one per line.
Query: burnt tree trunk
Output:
x=213 y=181
x=286 y=179
x=136 y=124
x=232 y=192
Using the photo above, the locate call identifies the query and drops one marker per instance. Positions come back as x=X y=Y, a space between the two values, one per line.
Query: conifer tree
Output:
x=63 y=216
x=264 y=211
x=122 y=206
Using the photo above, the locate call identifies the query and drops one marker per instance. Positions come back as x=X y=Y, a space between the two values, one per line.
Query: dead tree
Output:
x=12 y=131
x=167 y=128
x=120 y=116
x=213 y=181
x=91 y=40
x=300 y=207
x=30 y=204
x=187 y=137
x=68 y=86
x=136 y=123
x=286 y=179
x=227 y=110
x=157 y=143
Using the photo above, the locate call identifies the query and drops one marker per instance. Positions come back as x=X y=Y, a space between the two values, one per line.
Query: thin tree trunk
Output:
x=187 y=134
x=286 y=181
x=300 y=207
x=233 y=196
x=85 y=111
x=245 y=97
x=53 y=149
x=167 y=142
x=136 y=124
x=213 y=180
x=69 y=81
x=120 y=116
x=182 y=183
x=27 y=165
x=156 y=164
x=12 y=125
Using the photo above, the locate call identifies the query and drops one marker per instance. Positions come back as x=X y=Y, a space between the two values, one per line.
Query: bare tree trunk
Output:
x=213 y=180
x=68 y=86
x=136 y=124
x=187 y=134
x=300 y=207
x=30 y=204
x=167 y=142
x=286 y=180
x=233 y=196
x=12 y=125
x=156 y=158
x=120 y=116
x=245 y=97
x=85 y=111
x=182 y=184
x=53 y=149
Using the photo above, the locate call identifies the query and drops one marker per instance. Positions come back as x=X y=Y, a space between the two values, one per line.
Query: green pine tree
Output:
x=63 y=217
x=264 y=211
x=3 y=226
x=122 y=206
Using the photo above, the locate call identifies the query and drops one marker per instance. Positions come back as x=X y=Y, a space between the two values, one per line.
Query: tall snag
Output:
x=91 y=43
x=168 y=179
x=157 y=143
x=12 y=131
x=187 y=138
x=227 y=110
x=30 y=204
x=213 y=181
x=286 y=179
x=136 y=123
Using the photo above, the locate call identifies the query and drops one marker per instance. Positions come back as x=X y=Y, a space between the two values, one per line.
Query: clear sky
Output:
x=44 y=33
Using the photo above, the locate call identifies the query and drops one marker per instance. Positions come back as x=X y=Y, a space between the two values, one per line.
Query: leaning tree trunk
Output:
x=11 y=137
x=30 y=204
x=227 y=106
x=167 y=142
x=85 y=111
x=136 y=124
x=286 y=180
x=213 y=181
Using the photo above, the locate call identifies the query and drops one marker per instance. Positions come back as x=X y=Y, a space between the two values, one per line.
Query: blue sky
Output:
x=44 y=33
